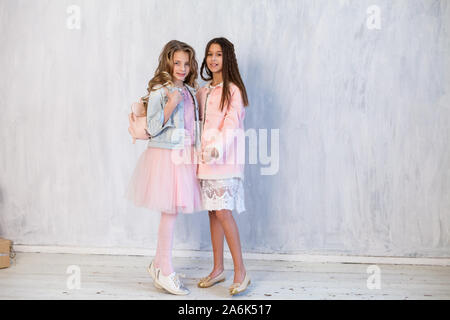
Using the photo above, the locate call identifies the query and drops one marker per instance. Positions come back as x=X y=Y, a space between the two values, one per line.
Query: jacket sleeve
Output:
x=233 y=116
x=155 y=113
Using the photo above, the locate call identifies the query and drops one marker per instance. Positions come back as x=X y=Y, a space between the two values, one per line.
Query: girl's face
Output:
x=214 y=58
x=181 y=65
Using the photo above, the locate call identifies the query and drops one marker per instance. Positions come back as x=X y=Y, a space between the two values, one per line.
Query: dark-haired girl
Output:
x=221 y=169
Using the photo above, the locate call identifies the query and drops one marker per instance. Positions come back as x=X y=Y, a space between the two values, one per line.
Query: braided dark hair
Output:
x=230 y=71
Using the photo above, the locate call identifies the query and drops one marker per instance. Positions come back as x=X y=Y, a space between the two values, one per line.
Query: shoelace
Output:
x=176 y=279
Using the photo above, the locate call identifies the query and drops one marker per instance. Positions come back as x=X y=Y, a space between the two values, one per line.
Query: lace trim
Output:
x=223 y=194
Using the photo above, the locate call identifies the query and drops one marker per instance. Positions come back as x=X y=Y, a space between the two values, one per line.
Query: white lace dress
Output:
x=218 y=194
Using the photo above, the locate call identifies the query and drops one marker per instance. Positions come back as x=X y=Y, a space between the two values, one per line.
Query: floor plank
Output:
x=44 y=276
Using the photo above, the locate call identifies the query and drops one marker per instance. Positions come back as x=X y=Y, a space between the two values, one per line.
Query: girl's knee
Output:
x=223 y=214
x=168 y=215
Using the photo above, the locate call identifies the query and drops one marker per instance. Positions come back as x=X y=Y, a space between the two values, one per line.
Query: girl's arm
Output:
x=158 y=115
x=174 y=99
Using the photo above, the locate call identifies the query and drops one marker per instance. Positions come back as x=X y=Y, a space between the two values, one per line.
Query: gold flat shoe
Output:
x=237 y=287
x=208 y=281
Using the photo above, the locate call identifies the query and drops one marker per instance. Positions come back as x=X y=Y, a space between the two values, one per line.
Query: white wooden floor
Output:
x=43 y=276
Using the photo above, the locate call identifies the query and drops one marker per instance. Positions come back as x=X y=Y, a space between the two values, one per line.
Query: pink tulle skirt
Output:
x=165 y=180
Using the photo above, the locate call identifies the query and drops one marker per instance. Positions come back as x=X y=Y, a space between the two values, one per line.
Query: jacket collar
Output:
x=169 y=86
x=190 y=88
x=212 y=87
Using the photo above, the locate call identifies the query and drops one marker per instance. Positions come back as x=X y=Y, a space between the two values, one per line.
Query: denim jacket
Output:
x=170 y=135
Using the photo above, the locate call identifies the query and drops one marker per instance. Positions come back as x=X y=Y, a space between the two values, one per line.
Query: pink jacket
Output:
x=223 y=130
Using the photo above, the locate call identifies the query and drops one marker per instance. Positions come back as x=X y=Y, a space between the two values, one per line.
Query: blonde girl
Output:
x=159 y=183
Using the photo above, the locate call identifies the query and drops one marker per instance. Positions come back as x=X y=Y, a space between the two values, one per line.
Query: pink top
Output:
x=223 y=130
x=188 y=117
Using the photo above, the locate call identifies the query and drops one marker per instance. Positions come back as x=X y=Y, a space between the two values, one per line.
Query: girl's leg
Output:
x=217 y=236
x=163 y=257
x=234 y=243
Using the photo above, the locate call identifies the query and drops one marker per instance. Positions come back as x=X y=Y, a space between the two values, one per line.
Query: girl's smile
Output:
x=214 y=58
x=180 y=65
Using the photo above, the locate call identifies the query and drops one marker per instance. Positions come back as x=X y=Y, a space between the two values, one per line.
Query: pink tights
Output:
x=163 y=257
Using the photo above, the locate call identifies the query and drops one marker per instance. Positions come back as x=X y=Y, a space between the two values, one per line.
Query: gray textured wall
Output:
x=363 y=116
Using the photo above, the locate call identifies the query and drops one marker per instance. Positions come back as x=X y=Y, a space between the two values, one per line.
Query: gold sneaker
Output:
x=208 y=281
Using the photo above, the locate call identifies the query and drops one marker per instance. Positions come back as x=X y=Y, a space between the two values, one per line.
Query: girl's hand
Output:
x=175 y=97
x=209 y=153
x=205 y=157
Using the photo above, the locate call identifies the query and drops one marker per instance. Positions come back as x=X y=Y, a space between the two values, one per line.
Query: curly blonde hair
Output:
x=163 y=73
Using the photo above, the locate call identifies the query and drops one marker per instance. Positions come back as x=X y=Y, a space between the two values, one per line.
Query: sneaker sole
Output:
x=174 y=292
x=170 y=290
